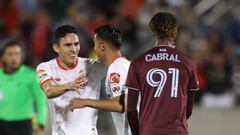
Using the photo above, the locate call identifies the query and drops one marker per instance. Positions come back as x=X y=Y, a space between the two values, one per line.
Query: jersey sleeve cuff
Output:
x=131 y=88
x=196 y=89
x=44 y=81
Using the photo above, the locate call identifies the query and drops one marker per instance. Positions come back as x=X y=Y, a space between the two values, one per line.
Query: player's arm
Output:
x=133 y=85
x=193 y=87
x=132 y=113
x=112 y=105
x=54 y=90
x=190 y=102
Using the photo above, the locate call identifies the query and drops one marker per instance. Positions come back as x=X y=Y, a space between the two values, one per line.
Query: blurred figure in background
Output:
x=218 y=71
x=19 y=90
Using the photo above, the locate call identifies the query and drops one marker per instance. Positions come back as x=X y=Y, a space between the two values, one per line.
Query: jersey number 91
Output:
x=163 y=78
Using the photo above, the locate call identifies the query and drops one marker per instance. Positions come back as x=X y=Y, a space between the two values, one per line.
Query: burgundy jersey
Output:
x=162 y=76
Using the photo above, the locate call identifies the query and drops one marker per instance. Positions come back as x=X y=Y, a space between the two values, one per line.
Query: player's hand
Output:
x=76 y=103
x=79 y=83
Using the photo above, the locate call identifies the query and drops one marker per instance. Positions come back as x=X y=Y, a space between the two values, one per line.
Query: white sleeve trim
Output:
x=194 y=89
x=131 y=88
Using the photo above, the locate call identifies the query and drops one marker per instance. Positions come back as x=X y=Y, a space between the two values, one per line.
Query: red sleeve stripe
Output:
x=41 y=84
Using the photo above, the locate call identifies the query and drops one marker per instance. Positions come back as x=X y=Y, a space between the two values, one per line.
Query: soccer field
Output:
x=202 y=122
x=214 y=122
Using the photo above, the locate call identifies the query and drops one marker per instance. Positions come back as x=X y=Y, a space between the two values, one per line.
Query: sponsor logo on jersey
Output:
x=114 y=78
x=116 y=89
x=57 y=79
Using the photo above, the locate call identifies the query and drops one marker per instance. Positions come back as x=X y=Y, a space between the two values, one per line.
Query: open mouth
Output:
x=73 y=56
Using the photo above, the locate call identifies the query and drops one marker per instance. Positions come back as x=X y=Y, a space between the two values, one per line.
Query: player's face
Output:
x=68 y=48
x=12 y=57
x=98 y=48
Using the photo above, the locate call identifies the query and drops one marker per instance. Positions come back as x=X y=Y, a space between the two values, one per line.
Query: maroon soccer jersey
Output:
x=162 y=76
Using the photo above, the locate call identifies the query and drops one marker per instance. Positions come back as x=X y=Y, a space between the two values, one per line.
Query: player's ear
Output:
x=102 y=46
x=55 y=48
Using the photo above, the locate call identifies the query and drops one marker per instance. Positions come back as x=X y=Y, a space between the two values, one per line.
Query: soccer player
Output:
x=19 y=93
x=107 y=42
x=64 y=78
x=166 y=81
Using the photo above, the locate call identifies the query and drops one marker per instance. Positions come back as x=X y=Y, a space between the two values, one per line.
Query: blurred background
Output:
x=208 y=31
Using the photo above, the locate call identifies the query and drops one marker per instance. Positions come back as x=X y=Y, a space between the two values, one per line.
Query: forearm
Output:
x=190 y=103
x=105 y=105
x=133 y=121
x=53 y=91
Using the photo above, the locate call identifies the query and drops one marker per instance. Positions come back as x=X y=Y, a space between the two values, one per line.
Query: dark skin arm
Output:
x=190 y=102
x=132 y=113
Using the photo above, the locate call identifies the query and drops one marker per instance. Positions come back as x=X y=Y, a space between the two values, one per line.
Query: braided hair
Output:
x=162 y=24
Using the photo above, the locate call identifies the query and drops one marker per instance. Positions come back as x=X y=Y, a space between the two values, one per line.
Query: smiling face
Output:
x=68 y=48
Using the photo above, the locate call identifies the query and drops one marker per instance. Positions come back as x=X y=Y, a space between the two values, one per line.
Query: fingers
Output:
x=72 y=105
x=82 y=75
x=75 y=103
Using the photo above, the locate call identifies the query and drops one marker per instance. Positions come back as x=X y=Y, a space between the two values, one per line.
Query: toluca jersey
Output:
x=115 y=82
x=80 y=121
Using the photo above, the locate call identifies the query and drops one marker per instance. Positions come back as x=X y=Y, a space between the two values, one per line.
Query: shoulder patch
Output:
x=114 y=78
x=41 y=73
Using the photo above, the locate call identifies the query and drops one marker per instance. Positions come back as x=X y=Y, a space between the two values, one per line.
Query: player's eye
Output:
x=76 y=43
x=67 y=44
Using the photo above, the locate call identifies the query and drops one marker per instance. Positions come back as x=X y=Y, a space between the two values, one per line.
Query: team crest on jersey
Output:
x=114 y=78
x=41 y=74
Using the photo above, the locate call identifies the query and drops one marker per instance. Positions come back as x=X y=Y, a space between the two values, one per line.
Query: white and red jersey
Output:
x=115 y=82
x=80 y=121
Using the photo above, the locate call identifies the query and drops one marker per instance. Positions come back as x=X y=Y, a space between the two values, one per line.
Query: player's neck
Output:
x=112 y=56
x=159 y=42
x=9 y=70
x=66 y=65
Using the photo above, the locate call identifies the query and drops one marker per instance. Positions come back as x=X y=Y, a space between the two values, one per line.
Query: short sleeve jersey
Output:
x=162 y=76
x=81 y=121
x=115 y=86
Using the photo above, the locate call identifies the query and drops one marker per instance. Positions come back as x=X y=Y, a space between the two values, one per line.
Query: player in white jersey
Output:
x=64 y=78
x=107 y=42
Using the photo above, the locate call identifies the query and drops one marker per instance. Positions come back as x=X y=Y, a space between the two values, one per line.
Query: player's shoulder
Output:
x=47 y=63
x=26 y=70
x=91 y=63
x=120 y=62
x=140 y=58
x=186 y=58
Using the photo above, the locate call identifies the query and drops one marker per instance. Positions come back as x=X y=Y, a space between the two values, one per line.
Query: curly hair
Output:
x=161 y=24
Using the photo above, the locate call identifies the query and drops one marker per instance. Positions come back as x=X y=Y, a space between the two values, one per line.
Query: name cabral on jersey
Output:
x=162 y=56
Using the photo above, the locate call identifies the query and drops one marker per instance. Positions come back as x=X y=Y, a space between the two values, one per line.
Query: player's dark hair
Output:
x=109 y=34
x=62 y=31
x=161 y=24
x=8 y=44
